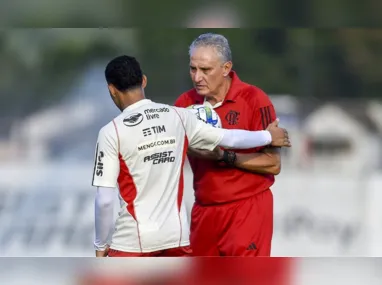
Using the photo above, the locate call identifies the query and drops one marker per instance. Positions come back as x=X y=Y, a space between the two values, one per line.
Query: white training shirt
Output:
x=142 y=152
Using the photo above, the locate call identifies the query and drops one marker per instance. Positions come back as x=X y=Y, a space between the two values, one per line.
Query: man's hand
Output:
x=102 y=253
x=280 y=136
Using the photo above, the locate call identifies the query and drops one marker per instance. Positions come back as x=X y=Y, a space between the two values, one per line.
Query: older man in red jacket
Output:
x=233 y=210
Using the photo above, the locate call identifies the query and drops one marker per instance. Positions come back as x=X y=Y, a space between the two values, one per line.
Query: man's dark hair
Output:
x=124 y=72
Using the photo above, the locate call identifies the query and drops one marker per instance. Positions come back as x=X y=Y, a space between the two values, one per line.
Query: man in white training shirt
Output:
x=141 y=153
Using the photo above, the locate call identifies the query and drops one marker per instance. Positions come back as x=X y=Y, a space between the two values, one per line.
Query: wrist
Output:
x=267 y=137
x=229 y=157
x=100 y=247
x=220 y=154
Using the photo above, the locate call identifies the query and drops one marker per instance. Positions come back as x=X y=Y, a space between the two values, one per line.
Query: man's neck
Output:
x=131 y=98
x=222 y=92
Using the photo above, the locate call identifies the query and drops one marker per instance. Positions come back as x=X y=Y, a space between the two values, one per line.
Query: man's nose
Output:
x=198 y=76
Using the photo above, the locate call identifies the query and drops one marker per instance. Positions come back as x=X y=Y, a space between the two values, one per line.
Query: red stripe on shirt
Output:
x=181 y=184
x=128 y=190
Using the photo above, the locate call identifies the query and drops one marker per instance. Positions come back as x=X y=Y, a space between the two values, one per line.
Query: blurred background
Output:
x=325 y=84
x=203 y=271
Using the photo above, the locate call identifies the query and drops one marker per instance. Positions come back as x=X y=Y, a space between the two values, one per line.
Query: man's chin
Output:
x=202 y=91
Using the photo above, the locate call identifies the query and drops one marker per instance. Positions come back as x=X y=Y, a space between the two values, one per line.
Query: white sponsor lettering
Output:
x=161 y=143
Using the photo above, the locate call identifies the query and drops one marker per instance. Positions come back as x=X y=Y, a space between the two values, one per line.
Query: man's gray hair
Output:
x=219 y=42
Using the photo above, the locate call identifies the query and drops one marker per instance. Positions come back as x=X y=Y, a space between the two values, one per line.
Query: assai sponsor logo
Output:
x=160 y=157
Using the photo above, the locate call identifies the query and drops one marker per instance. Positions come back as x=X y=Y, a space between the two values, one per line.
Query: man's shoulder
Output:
x=254 y=95
x=107 y=131
x=157 y=105
x=187 y=98
x=189 y=93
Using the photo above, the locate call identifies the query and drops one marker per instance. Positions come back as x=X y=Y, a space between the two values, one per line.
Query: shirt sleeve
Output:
x=242 y=139
x=264 y=113
x=106 y=164
x=104 y=216
x=200 y=135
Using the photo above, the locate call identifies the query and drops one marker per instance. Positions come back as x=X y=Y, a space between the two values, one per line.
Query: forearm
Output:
x=242 y=139
x=238 y=139
x=104 y=216
x=262 y=162
x=201 y=153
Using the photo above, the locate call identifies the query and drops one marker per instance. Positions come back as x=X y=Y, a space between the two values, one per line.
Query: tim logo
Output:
x=133 y=120
x=154 y=130
x=232 y=117
x=99 y=167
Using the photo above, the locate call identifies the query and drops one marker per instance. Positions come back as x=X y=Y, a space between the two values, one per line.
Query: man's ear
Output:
x=144 y=81
x=227 y=67
x=112 y=90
